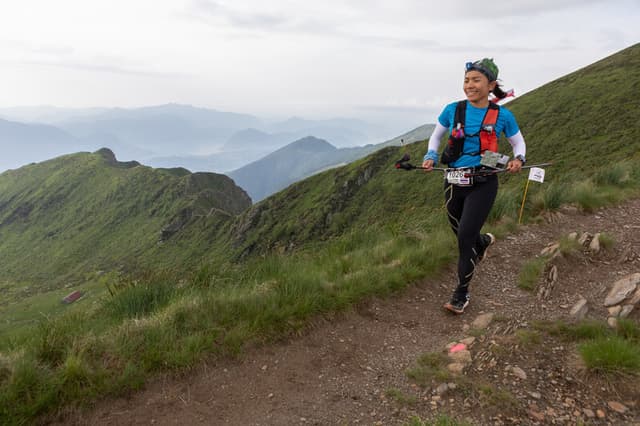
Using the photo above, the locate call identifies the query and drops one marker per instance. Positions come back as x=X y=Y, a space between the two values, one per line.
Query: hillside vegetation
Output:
x=319 y=246
x=586 y=123
x=83 y=213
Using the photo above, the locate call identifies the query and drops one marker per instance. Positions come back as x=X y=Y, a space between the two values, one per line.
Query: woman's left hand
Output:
x=514 y=166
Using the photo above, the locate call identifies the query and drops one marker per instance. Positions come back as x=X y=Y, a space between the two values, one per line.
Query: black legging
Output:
x=468 y=209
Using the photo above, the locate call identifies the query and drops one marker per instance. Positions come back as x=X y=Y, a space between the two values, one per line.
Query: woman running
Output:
x=474 y=126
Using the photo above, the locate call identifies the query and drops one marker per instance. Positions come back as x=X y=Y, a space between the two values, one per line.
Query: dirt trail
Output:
x=342 y=369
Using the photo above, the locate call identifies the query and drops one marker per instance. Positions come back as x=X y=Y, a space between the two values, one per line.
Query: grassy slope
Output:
x=79 y=213
x=586 y=119
x=582 y=122
x=359 y=230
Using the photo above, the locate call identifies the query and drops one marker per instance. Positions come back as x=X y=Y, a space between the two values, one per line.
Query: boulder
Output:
x=622 y=289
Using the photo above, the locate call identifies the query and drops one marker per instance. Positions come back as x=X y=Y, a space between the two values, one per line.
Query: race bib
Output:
x=459 y=177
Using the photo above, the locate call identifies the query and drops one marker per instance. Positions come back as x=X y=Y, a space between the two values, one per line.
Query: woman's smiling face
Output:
x=477 y=88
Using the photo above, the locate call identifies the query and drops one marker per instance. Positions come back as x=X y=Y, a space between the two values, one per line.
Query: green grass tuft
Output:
x=607 y=242
x=139 y=298
x=602 y=349
x=591 y=197
x=400 y=397
x=585 y=329
x=440 y=420
x=528 y=338
x=431 y=367
x=612 y=354
x=497 y=398
x=616 y=174
x=531 y=273
x=628 y=329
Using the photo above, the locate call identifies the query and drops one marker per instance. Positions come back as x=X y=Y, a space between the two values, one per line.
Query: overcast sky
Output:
x=315 y=59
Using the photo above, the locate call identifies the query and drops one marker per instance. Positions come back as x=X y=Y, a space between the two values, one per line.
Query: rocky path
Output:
x=352 y=368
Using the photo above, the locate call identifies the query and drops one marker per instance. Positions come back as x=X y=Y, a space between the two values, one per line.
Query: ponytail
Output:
x=498 y=92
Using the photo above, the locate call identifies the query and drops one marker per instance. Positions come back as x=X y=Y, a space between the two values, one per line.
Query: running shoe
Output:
x=488 y=239
x=457 y=304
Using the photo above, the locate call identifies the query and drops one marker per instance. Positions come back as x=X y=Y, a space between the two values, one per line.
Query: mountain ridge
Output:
x=305 y=157
x=87 y=211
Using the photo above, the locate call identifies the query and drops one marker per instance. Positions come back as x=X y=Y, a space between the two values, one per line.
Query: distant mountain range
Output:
x=304 y=158
x=26 y=143
x=171 y=135
x=140 y=134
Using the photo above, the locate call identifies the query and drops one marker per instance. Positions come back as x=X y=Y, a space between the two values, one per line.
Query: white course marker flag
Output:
x=536 y=174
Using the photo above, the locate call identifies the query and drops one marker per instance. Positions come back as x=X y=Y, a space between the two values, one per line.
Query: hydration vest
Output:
x=487 y=133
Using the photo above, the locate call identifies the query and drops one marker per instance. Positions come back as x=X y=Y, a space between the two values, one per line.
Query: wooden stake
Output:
x=524 y=197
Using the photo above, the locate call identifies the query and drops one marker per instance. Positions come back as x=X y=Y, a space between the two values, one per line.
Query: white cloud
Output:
x=290 y=57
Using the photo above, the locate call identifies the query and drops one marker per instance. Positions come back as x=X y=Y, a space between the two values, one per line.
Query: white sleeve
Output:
x=517 y=143
x=434 y=140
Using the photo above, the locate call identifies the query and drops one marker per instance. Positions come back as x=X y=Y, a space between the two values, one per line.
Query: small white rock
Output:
x=614 y=311
x=584 y=238
x=594 y=245
x=463 y=356
x=482 y=321
x=626 y=310
x=442 y=388
x=468 y=341
x=580 y=309
x=550 y=250
x=519 y=373
x=617 y=407
x=456 y=368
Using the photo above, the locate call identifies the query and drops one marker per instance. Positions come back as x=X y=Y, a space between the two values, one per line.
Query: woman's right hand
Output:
x=427 y=165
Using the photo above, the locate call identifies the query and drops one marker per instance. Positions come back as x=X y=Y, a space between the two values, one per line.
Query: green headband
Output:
x=486 y=66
